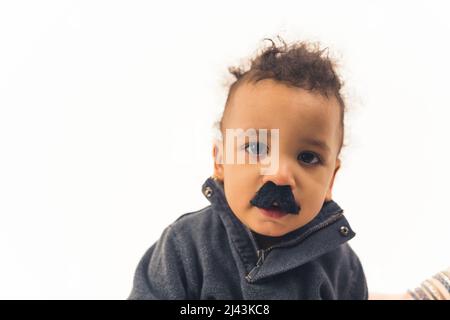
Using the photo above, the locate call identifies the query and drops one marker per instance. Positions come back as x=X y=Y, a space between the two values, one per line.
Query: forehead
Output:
x=296 y=112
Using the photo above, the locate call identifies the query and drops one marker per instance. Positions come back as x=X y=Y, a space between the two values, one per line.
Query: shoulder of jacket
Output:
x=195 y=224
x=183 y=231
x=343 y=256
x=194 y=215
x=192 y=219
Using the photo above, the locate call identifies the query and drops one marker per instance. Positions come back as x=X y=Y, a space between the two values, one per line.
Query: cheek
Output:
x=236 y=196
x=245 y=174
x=240 y=185
x=315 y=178
x=312 y=186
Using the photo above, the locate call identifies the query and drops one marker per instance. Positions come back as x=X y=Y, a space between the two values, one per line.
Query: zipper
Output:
x=262 y=253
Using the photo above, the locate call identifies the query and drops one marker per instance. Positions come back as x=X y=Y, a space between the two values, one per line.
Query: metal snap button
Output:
x=208 y=192
x=344 y=231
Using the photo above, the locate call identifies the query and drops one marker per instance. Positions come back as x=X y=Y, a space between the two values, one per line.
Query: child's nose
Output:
x=283 y=176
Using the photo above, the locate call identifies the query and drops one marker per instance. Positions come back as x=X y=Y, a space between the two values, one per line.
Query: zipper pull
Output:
x=261 y=256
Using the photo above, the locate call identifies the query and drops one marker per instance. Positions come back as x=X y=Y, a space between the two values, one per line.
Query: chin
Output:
x=269 y=229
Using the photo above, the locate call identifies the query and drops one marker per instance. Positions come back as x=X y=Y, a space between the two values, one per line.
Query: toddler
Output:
x=272 y=229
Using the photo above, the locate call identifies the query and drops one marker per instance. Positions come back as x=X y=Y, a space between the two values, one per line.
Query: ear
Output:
x=218 y=159
x=330 y=188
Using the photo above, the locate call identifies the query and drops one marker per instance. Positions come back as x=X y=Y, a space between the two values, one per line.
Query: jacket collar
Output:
x=326 y=232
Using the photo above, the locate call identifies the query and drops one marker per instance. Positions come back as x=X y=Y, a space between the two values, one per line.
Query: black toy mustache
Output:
x=272 y=196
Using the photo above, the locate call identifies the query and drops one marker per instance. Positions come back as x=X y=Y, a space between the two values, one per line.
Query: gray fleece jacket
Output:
x=210 y=254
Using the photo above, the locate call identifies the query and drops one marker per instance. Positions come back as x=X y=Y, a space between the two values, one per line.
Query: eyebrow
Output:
x=318 y=143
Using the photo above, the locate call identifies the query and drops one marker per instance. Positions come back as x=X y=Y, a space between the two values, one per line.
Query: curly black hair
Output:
x=301 y=64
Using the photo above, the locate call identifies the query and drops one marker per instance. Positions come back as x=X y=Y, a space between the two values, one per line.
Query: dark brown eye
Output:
x=308 y=157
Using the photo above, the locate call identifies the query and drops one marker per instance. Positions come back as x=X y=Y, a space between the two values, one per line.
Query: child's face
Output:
x=300 y=116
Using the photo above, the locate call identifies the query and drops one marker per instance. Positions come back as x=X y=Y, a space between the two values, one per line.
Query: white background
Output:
x=106 y=110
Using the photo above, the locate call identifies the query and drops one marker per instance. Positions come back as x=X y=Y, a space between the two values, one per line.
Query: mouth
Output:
x=273 y=212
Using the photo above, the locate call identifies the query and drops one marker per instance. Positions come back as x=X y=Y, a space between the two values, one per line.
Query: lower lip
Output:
x=276 y=214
